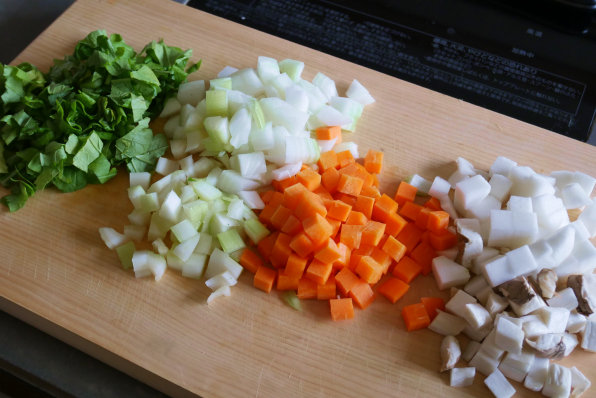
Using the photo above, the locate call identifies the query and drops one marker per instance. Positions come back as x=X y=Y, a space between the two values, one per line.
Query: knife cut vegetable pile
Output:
x=262 y=179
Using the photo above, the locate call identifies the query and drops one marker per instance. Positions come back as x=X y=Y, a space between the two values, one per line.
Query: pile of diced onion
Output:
x=250 y=128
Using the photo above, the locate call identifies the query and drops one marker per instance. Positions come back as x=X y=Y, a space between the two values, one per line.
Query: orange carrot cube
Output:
x=344 y=260
x=393 y=289
x=405 y=193
x=424 y=254
x=442 y=242
x=394 y=248
x=285 y=282
x=433 y=204
x=410 y=210
x=410 y=237
x=407 y=269
x=345 y=281
x=307 y=289
x=369 y=269
x=309 y=178
x=266 y=214
x=351 y=170
x=351 y=235
x=328 y=253
x=295 y=266
x=347 y=199
x=438 y=221
x=292 y=226
x=338 y=210
x=363 y=250
x=309 y=204
x=356 y=218
x=422 y=219
x=302 y=244
x=415 y=317
x=373 y=162
x=265 y=278
x=324 y=195
x=372 y=233
x=317 y=228
x=362 y=294
x=318 y=271
x=265 y=246
x=432 y=304
x=330 y=180
x=282 y=185
x=382 y=258
x=328 y=133
x=335 y=225
x=281 y=251
x=365 y=205
x=345 y=158
x=341 y=309
x=266 y=196
x=292 y=196
x=250 y=261
x=328 y=160
x=327 y=291
x=383 y=208
x=370 y=192
x=280 y=217
x=350 y=185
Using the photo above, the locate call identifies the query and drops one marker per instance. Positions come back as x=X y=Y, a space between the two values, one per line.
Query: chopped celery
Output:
x=292 y=300
x=216 y=102
x=212 y=146
x=125 y=252
x=205 y=190
x=235 y=255
x=218 y=130
x=255 y=230
x=223 y=82
x=256 y=112
x=230 y=240
x=184 y=230
x=194 y=267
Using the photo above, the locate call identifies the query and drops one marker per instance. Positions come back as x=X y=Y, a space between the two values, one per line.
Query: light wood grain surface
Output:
x=55 y=268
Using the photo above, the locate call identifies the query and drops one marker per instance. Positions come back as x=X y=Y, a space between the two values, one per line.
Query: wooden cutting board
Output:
x=56 y=273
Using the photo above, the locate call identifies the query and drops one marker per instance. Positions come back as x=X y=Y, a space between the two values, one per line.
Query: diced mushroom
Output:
x=553 y=345
x=547 y=280
x=584 y=287
x=450 y=353
x=472 y=247
x=521 y=296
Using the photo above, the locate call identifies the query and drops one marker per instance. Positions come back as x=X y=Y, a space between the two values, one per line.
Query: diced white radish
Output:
x=171 y=107
x=471 y=350
x=450 y=253
x=456 y=178
x=332 y=117
x=477 y=316
x=564 y=299
x=537 y=375
x=112 y=239
x=422 y=184
x=536 y=185
x=555 y=319
x=521 y=261
x=439 y=188
x=509 y=337
x=502 y=166
x=542 y=253
x=457 y=304
x=520 y=176
x=520 y=204
x=470 y=192
x=140 y=179
x=558 y=382
x=551 y=212
x=357 y=92
x=448 y=273
x=499 y=386
x=481 y=211
x=464 y=167
x=484 y=363
x=500 y=187
x=588 y=218
x=497 y=271
x=171 y=207
x=579 y=383
x=517 y=366
x=475 y=284
x=462 y=377
x=574 y=197
x=496 y=304
x=585 y=253
x=447 y=324
x=562 y=243
x=587 y=182
x=166 y=166
x=562 y=178
x=171 y=125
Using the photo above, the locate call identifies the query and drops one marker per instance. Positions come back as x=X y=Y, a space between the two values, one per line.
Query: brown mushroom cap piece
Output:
x=471 y=245
x=584 y=287
x=518 y=291
x=552 y=345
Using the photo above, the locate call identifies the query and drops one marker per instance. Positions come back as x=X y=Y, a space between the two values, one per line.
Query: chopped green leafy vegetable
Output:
x=89 y=113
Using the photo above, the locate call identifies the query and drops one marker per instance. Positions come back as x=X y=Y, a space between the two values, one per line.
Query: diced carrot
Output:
x=356 y=218
x=369 y=269
x=394 y=248
x=425 y=237
x=351 y=235
x=382 y=258
x=335 y=226
x=407 y=269
x=442 y=242
x=347 y=199
x=277 y=199
x=265 y=278
x=282 y=185
x=330 y=179
x=266 y=214
x=363 y=174
x=364 y=250
x=345 y=158
x=295 y=266
x=364 y=205
x=345 y=281
x=302 y=244
x=424 y=254
x=267 y=196
x=328 y=133
x=307 y=289
x=415 y=317
x=354 y=261
x=292 y=226
x=410 y=236
x=328 y=160
x=329 y=252
x=405 y=193
x=250 y=261
x=383 y=208
x=350 y=185
x=341 y=309
x=292 y=196
x=281 y=251
x=393 y=289
x=376 y=181
x=422 y=219
x=372 y=233
x=371 y=192
x=327 y=291
x=351 y=170
x=362 y=294
x=373 y=161
x=410 y=210
x=368 y=181
x=338 y=210
x=304 y=167
x=309 y=204
x=309 y=178
x=432 y=304
x=279 y=218
x=382 y=241
x=434 y=204
x=285 y=282
x=317 y=228
x=324 y=194
x=344 y=260
x=319 y=271
x=438 y=221
x=265 y=246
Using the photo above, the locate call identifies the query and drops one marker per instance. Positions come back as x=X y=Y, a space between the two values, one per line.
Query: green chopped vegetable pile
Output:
x=91 y=112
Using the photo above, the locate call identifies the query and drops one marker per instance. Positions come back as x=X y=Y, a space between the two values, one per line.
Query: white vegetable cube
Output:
x=447 y=324
x=166 y=166
x=484 y=363
x=184 y=230
x=456 y=178
x=576 y=322
x=588 y=336
x=135 y=232
x=534 y=328
x=448 y=207
x=588 y=218
x=457 y=304
x=509 y=337
x=462 y=377
x=496 y=304
x=140 y=260
x=252 y=163
x=140 y=179
x=564 y=299
x=171 y=107
x=562 y=243
x=112 y=238
x=551 y=212
x=562 y=178
x=517 y=366
x=439 y=188
x=157 y=265
x=240 y=126
x=521 y=261
x=581 y=232
x=204 y=245
x=579 y=382
x=267 y=69
x=149 y=202
x=558 y=382
x=191 y=92
x=475 y=284
x=247 y=81
x=357 y=92
x=487 y=254
x=134 y=194
x=525 y=229
x=497 y=271
x=536 y=185
x=297 y=97
x=500 y=186
x=477 y=316
x=519 y=203
x=499 y=385
x=261 y=139
x=471 y=350
x=448 y=273
x=585 y=253
x=574 y=196
x=222 y=291
x=587 y=182
x=537 y=374
x=520 y=176
x=160 y=247
x=470 y=192
x=501 y=228
x=171 y=207
x=555 y=319
x=185 y=249
x=481 y=211
x=223 y=279
x=542 y=253
x=501 y=166
x=219 y=262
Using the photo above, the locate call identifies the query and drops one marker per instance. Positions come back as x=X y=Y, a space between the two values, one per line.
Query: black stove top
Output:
x=534 y=60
